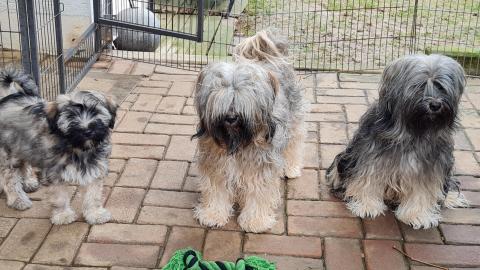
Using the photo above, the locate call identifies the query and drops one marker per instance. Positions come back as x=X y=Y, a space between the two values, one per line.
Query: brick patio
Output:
x=151 y=190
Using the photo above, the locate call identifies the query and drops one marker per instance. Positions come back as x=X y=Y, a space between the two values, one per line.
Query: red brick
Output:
x=325 y=108
x=61 y=244
x=469 y=183
x=139 y=139
x=382 y=227
x=128 y=234
x=115 y=254
x=140 y=151
x=320 y=226
x=461 y=234
x=328 y=153
x=465 y=163
x=173 y=105
x=317 y=209
x=304 y=187
x=230 y=249
x=335 y=133
x=181 y=148
x=124 y=203
x=167 y=216
x=170 y=129
x=134 y=122
x=380 y=253
x=311 y=155
x=445 y=255
x=171 y=199
x=24 y=239
x=340 y=92
x=174 y=119
x=40 y=209
x=283 y=245
x=293 y=263
x=137 y=173
x=170 y=175
x=473 y=198
x=354 y=112
x=325 y=117
x=146 y=103
x=181 y=238
x=431 y=235
x=181 y=89
x=345 y=254
x=461 y=216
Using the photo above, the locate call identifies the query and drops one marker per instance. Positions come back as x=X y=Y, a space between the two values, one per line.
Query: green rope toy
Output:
x=189 y=259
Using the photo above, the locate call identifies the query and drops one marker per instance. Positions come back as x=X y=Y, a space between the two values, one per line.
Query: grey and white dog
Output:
x=402 y=152
x=67 y=139
x=251 y=132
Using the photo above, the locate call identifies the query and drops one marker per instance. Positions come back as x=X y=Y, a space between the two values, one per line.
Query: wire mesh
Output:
x=10 y=40
x=325 y=35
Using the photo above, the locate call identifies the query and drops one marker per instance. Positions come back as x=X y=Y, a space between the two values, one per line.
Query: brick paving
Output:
x=151 y=189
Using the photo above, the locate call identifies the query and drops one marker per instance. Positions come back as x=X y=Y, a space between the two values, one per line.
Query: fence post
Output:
x=59 y=43
x=96 y=16
x=200 y=18
x=25 y=42
x=413 y=37
x=31 y=34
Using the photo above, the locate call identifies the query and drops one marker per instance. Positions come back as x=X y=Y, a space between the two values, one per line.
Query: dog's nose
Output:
x=434 y=105
x=231 y=119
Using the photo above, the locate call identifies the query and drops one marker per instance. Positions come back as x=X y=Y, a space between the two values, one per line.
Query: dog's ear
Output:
x=271 y=128
x=274 y=82
x=112 y=107
x=199 y=81
x=200 y=131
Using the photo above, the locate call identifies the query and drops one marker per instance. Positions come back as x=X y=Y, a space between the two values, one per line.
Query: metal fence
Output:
x=325 y=35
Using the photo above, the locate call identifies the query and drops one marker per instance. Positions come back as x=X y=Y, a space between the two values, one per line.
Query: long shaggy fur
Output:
x=250 y=133
x=403 y=150
x=68 y=140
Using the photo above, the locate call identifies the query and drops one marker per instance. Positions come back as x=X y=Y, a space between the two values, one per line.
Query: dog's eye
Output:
x=439 y=86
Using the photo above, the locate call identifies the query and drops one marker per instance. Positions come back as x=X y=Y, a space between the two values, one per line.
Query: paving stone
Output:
x=121 y=67
x=419 y=267
x=137 y=173
x=40 y=209
x=174 y=77
x=139 y=139
x=116 y=254
x=24 y=239
x=473 y=198
x=131 y=98
x=335 y=133
x=372 y=96
x=325 y=117
x=304 y=187
x=170 y=129
x=171 y=199
x=345 y=254
x=461 y=234
x=42 y=194
x=326 y=108
x=325 y=194
x=116 y=165
x=379 y=253
x=137 y=151
x=283 y=245
x=167 y=216
x=180 y=238
x=174 y=119
x=293 y=263
x=461 y=216
x=160 y=91
x=326 y=80
x=321 y=226
x=144 y=69
x=469 y=182
x=328 y=153
x=181 y=89
x=111 y=179
x=181 y=148
x=155 y=84
x=359 y=85
x=128 y=234
x=382 y=227
x=127 y=268
x=124 y=106
x=51 y=267
x=445 y=255
x=124 y=203
x=351 y=129
x=340 y=92
x=134 y=122
x=309 y=95
x=317 y=209
x=77 y=201
x=6 y=224
x=461 y=141
x=342 y=100
x=231 y=246
x=474 y=137
x=171 y=70
x=469 y=118
x=170 y=175
x=355 y=112
x=192 y=184
x=61 y=244
x=352 y=77
x=312 y=137
x=11 y=265
x=311 y=156
x=146 y=103
x=173 y=105
x=189 y=110
x=431 y=235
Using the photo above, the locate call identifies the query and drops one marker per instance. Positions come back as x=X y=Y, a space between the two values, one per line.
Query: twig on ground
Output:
x=426 y=263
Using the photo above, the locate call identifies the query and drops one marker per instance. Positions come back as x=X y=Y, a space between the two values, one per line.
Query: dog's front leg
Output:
x=216 y=202
x=62 y=212
x=93 y=210
x=293 y=154
x=12 y=185
x=365 y=196
x=261 y=198
x=420 y=208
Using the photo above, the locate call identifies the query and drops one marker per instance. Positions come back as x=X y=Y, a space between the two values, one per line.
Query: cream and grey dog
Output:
x=251 y=132
x=402 y=152
x=67 y=139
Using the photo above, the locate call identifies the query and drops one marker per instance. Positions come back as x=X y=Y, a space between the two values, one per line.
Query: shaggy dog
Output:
x=402 y=152
x=251 y=132
x=68 y=140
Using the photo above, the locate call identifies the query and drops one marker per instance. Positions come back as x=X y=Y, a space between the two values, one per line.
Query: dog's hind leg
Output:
x=30 y=181
x=293 y=154
x=12 y=185
x=62 y=212
x=216 y=202
x=93 y=209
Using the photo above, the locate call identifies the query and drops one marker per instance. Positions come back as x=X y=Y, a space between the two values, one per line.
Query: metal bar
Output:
x=96 y=18
x=32 y=36
x=71 y=51
x=24 y=38
x=200 y=21
x=59 y=43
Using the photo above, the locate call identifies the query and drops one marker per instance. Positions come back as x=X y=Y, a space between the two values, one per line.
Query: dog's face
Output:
x=235 y=102
x=423 y=92
x=84 y=118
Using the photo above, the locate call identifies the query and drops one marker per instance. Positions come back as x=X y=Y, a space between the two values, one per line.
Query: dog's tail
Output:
x=267 y=45
x=13 y=80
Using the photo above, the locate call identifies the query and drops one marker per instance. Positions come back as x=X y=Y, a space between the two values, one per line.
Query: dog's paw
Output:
x=256 y=224
x=21 y=204
x=64 y=217
x=420 y=220
x=212 y=217
x=97 y=216
x=455 y=200
x=361 y=209
x=293 y=172
x=31 y=186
